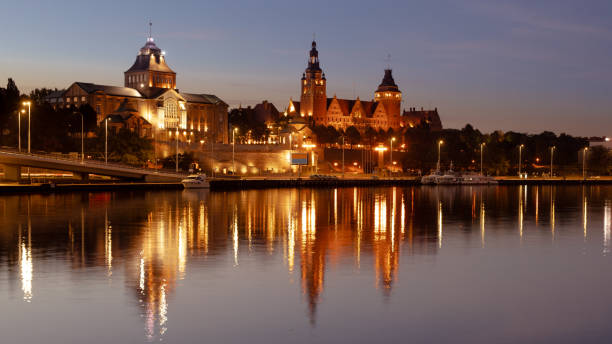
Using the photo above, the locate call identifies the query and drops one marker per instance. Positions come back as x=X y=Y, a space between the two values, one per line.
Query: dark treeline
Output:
x=59 y=130
x=462 y=148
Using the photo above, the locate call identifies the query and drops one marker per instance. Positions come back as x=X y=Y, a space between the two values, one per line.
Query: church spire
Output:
x=313 y=61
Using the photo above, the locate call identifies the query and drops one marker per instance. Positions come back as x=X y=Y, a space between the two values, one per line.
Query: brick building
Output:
x=150 y=93
x=382 y=112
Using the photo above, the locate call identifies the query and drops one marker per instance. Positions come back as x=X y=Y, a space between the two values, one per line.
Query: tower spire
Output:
x=388 y=61
x=150 y=25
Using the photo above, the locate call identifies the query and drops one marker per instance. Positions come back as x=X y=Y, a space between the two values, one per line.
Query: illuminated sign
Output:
x=299 y=158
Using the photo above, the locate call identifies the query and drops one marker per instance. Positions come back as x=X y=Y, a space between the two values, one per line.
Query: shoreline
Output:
x=221 y=184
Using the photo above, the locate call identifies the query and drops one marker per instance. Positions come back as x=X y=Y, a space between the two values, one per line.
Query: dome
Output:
x=387 y=84
x=150 y=58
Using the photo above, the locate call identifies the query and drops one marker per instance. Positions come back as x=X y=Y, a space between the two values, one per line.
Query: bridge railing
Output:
x=89 y=162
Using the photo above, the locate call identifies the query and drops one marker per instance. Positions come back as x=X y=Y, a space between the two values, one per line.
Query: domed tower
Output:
x=389 y=95
x=150 y=69
x=313 y=100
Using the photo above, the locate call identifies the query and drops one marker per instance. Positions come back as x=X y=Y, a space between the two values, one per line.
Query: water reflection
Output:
x=156 y=239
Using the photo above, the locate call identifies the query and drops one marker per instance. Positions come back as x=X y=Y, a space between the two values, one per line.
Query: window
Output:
x=76 y=99
x=98 y=109
x=83 y=98
x=67 y=100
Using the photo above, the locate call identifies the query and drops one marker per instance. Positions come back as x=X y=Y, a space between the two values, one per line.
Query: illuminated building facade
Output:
x=150 y=94
x=382 y=112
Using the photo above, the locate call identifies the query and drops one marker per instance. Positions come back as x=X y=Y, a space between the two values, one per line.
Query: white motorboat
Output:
x=450 y=177
x=453 y=178
x=196 y=181
x=431 y=178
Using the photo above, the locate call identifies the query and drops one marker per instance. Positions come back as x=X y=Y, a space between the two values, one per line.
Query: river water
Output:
x=360 y=265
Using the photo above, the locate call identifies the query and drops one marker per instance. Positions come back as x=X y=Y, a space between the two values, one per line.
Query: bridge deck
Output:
x=12 y=158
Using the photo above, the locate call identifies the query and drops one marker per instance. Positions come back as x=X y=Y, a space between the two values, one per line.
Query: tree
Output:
x=38 y=94
x=370 y=136
x=9 y=104
x=123 y=146
x=186 y=161
x=353 y=135
x=599 y=160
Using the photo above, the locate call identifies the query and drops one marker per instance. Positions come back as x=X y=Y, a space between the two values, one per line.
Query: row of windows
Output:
x=68 y=99
x=137 y=78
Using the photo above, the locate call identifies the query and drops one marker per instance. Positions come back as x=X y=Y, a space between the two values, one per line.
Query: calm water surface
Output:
x=360 y=265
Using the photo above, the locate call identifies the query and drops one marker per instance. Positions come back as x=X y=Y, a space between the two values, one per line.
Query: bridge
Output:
x=13 y=162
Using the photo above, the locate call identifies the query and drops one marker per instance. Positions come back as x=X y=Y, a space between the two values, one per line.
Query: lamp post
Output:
x=342 y=156
x=82 y=140
x=440 y=143
x=19 y=125
x=106 y=140
x=519 y=162
x=391 y=152
x=584 y=152
x=552 y=152
x=481 y=149
x=177 y=148
x=234 y=150
x=28 y=104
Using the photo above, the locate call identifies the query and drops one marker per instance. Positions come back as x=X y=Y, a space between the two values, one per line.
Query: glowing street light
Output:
x=391 y=151
x=342 y=156
x=19 y=125
x=82 y=139
x=552 y=152
x=177 y=148
x=519 y=162
x=380 y=149
x=584 y=152
x=440 y=143
x=106 y=140
x=481 y=149
x=234 y=150
x=28 y=104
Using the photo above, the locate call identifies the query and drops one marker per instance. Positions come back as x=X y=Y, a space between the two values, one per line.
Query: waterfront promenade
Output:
x=273 y=182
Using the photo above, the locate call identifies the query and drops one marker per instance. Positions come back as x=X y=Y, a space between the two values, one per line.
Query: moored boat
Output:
x=196 y=181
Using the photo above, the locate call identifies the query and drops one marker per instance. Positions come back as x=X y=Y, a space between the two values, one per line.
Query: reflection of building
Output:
x=382 y=112
x=306 y=230
x=150 y=93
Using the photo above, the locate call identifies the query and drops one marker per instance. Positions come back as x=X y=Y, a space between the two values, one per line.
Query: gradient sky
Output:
x=516 y=65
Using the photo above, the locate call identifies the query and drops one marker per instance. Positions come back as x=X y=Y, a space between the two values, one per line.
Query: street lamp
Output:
x=391 y=151
x=519 y=162
x=177 y=148
x=19 y=125
x=28 y=104
x=440 y=143
x=342 y=156
x=584 y=152
x=552 y=152
x=82 y=140
x=106 y=140
x=234 y=150
x=481 y=149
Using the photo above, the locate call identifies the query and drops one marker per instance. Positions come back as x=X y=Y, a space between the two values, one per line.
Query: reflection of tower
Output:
x=312 y=259
x=386 y=243
x=163 y=248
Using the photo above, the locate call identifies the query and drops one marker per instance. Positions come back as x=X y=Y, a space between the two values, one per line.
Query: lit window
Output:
x=67 y=100
x=83 y=98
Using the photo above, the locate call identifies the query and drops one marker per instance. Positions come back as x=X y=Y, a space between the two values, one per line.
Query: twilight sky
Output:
x=511 y=65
